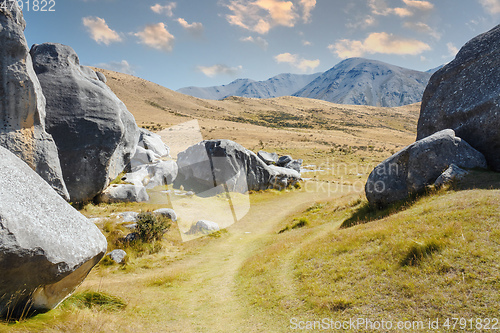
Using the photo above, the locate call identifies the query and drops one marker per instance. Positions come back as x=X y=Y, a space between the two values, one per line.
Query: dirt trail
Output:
x=207 y=300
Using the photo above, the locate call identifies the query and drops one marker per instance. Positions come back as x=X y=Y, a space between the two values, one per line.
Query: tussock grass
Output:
x=435 y=257
x=95 y=300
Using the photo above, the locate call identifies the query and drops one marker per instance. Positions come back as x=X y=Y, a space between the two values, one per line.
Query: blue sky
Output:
x=212 y=42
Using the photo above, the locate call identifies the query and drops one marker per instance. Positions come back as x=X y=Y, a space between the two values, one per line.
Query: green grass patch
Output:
x=419 y=251
x=95 y=300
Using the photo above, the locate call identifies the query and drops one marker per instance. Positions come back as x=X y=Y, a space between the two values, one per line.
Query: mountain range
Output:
x=355 y=81
x=277 y=86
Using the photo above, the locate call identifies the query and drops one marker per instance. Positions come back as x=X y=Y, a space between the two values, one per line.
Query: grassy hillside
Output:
x=299 y=255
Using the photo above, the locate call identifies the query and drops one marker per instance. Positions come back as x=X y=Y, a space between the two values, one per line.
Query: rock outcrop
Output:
x=47 y=248
x=220 y=163
x=465 y=96
x=22 y=104
x=418 y=165
x=93 y=130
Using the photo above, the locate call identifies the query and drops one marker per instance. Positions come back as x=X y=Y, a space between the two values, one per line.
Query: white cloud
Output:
x=100 y=31
x=306 y=43
x=452 y=49
x=380 y=7
x=423 y=28
x=219 y=69
x=491 y=6
x=294 y=60
x=117 y=66
x=166 y=9
x=262 y=15
x=420 y=5
x=364 y=23
x=157 y=36
x=378 y=42
x=308 y=6
x=195 y=28
x=261 y=42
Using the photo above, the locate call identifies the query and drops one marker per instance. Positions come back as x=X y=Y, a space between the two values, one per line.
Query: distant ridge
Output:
x=355 y=81
x=277 y=86
x=359 y=81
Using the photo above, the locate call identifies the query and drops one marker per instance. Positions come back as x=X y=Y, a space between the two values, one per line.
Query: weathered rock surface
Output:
x=143 y=156
x=47 y=248
x=294 y=165
x=465 y=96
x=284 y=160
x=22 y=104
x=153 y=175
x=152 y=141
x=217 y=163
x=93 y=130
x=418 y=165
x=451 y=174
x=203 y=227
x=268 y=158
x=124 y=193
x=167 y=212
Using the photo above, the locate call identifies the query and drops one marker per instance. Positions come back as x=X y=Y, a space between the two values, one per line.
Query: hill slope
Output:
x=361 y=81
x=277 y=86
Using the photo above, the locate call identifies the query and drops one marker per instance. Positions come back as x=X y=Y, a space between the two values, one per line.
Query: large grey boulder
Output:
x=22 y=104
x=465 y=96
x=47 y=248
x=220 y=163
x=418 y=165
x=94 y=132
x=124 y=193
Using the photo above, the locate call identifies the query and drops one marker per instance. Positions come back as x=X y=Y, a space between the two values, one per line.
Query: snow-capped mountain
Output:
x=361 y=81
x=280 y=85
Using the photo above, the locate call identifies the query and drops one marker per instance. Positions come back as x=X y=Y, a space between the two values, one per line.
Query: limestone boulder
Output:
x=453 y=173
x=167 y=212
x=124 y=193
x=203 y=227
x=47 y=248
x=22 y=103
x=94 y=132
x=465 y=96
x=268 y=158
x=152 y=141
x=419 y=165
x=229 y=166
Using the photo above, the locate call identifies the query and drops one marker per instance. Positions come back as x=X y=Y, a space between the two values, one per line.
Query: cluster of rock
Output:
x=229 y=166
x=63 y=136
x=149 y=169
x=281 y=161
x=463 y=97
x=58 y=116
